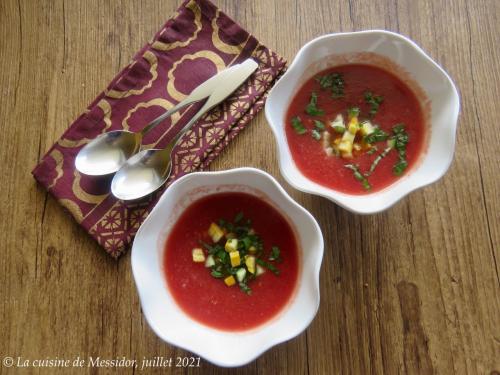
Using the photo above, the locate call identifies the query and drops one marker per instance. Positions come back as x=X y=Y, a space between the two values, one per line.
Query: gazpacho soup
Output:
x=231 y=261
x=355 y=128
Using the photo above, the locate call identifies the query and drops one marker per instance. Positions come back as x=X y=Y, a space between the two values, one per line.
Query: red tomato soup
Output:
x=208 y=299
x=377 y=97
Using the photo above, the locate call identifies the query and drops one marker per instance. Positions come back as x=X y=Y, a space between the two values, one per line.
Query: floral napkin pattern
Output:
x=195 y=44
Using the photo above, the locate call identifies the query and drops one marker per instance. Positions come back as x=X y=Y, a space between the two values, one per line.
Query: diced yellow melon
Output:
x=198 y=255
x=250 y=263
x=252 y=250
x=230 y=280
x=353 y=126
x=234 y=256
x=345 y=145
x=215 y=232
x=231 y=245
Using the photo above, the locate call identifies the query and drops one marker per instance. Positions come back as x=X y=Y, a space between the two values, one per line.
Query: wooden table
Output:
x=412 y=290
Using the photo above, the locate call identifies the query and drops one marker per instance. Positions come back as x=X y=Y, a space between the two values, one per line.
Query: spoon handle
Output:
x=206 y=107
x=153 y=124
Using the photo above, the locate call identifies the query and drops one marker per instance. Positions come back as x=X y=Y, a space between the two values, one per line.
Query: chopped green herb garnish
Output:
x=319 y=125
x=298 y=126
x=312 y=108
x=374 y=101
x=268 y=265
x=358 y=175
x=316 y=134
x=353 y=112
x=401 y=139
x=245 y=288
x=236 y=253
x=373 y=150
x=217 y=274
x=377 y=160
x=238 y=217
x=378 y=135
x=333 y=81
x=275 y=254
x=400 y=167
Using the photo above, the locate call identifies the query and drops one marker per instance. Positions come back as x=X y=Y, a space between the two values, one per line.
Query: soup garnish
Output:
x=358 y=115
x=236 y=254
x=252 y=250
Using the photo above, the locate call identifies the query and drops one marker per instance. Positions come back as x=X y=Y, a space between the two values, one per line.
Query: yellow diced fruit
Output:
x=234 y=256
x=215 y=232
x=353 y=126
x=250 y=263
x=231 y=245
x=230 y=280
x=198 y=255
x=345 y=146
x=252 y=250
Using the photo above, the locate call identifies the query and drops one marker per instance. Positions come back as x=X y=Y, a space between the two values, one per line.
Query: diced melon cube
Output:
x=231 y=245
x=252 y=250
x=260 y=270
x=338 y=124
x=234 y=256
x=345 y=146
x=198 y=255
x=367 y=128
x=230 y=280
x=210 y=261
x=240 y=274
x=215 y=232
x=353 y=126
x=250 y=263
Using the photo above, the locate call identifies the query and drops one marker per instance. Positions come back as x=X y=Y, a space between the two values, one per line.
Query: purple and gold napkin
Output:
x=195 y=44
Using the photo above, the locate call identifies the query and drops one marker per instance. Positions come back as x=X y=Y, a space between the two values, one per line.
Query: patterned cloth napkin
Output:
x=195 y=44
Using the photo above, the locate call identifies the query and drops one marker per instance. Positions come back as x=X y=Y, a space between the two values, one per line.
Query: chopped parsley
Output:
x=334 y=82
x=298 y=126
x=358 y=175
x=312 y=108
x=373 y=101
x=401 y=139
x=378 y=135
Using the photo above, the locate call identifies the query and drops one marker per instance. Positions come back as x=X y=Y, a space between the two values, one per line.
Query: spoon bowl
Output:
x=142 y=174
x=108 y=152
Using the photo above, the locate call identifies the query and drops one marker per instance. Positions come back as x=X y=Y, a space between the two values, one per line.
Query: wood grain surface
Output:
x=412 y=290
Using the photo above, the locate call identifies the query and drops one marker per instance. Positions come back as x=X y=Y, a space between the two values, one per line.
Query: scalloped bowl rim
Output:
x=380 y=200
x=147 y=269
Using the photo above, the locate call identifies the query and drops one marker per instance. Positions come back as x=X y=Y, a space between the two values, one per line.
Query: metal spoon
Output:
x=108 y=152
x=146 y=171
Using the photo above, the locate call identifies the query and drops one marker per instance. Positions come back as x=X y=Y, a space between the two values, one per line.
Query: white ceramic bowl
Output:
x=164 y=316
x=403 y=55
